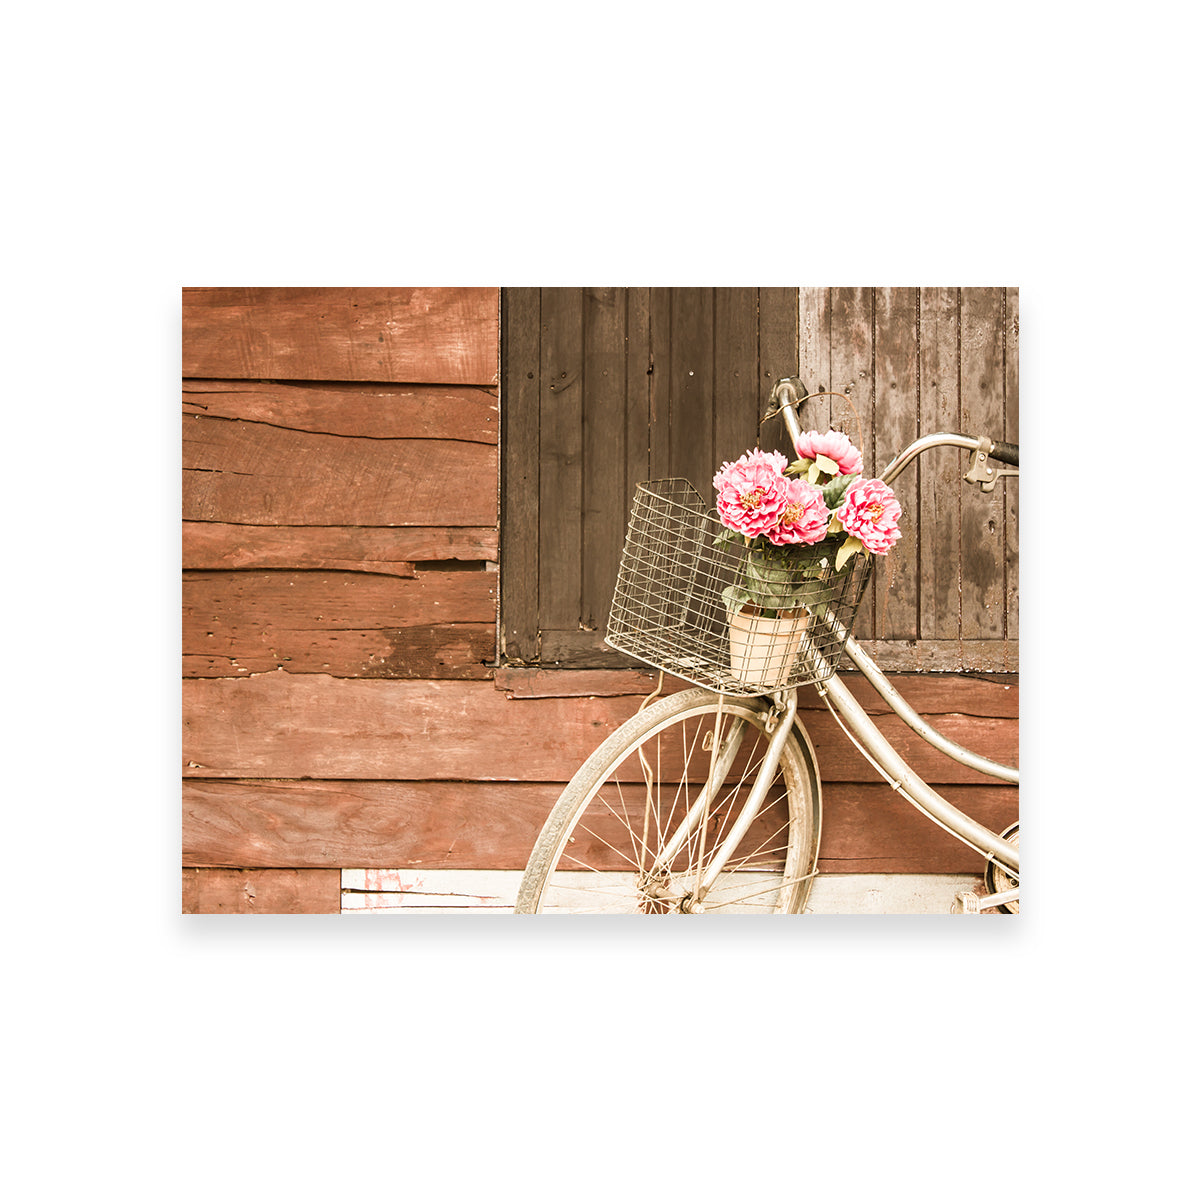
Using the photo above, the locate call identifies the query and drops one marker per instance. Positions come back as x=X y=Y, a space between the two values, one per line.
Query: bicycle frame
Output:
x=858 y=726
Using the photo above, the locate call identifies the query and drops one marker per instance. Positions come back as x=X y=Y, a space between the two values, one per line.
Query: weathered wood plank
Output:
x=926 y=693
x=560 y=504
x=691 y=382
x=276 y=891
x=1012 y=433
x=940 y=471
x=521 y=439
x=895 y=581
x=402 y=335
x=814 y=355
x=362 y=823
x=216 y=545
x=661 y=301
x=933 y=654
x=487 y=893
x=637 y=393
x=247 y=473
x=436 y=623
x=604 y=489
x=982 y=539
x=479 y=825
x=278 y=725
x=351 y=409
x=735 y=375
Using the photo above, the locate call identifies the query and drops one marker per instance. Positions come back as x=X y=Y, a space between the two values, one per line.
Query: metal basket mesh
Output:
x=668 y=609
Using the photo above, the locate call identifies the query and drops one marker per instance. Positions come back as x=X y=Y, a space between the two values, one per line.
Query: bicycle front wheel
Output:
x=639 y=826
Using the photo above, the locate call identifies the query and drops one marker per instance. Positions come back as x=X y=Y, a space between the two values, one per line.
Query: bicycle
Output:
x=709 y=800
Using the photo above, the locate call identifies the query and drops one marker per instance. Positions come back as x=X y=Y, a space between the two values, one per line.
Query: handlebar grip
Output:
x=1005 y=452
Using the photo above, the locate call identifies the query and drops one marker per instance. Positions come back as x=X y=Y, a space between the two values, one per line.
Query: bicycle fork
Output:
x=696 y=818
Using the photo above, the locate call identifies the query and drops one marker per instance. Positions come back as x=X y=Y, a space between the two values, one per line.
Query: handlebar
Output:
x=789 y=394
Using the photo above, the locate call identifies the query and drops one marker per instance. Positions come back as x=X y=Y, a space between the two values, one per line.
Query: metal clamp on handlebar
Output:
x=980 y=472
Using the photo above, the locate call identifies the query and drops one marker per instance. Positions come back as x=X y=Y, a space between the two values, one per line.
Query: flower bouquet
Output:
x=801 y=525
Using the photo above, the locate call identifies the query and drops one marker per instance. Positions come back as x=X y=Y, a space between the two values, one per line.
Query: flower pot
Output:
x=762 y=650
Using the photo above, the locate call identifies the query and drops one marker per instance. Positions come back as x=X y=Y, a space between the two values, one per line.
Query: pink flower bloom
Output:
x=751 y=492
x=834 y=445
x=870 y=513
x=804 y=519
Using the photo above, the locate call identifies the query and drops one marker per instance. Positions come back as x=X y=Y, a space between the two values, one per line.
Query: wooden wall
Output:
x=342 y=703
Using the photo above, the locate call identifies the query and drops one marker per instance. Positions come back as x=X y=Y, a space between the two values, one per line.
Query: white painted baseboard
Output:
x=417 y=892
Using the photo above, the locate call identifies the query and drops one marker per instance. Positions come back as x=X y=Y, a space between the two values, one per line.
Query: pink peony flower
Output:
x=870 y=513
x=834 y=445
x=805 y=517
x=752 y=492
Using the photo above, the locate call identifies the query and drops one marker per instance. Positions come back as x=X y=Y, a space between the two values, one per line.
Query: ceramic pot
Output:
x=762 y=650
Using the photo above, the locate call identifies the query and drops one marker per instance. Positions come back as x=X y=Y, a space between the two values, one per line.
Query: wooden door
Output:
x=605 y=387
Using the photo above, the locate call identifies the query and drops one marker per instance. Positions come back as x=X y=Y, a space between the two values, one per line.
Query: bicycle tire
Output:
x=618 y=809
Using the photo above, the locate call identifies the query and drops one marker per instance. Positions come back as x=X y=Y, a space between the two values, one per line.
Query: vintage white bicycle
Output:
x=709 y=800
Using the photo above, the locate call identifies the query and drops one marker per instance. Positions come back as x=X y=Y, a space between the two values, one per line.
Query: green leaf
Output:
x=827 y=465
x=835 y=490
x=835 y=525
x=814 y=472
x=849 y=547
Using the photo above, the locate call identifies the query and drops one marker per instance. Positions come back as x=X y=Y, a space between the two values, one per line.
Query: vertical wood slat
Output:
x=735 y=374
x=938 y=478
x=981 y=375
x=1012 y=324
x=852 y=328
x=813 y=355
x=637 y=392
x=520 y=444
x=778 y=357
x=660 y=314
x=560 y=508
x=604 y=431
x=691 y=384
x=895 y=424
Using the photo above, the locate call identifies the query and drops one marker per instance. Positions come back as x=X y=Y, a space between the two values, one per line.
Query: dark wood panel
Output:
x=521 y=444
x=438 y=624
x=379 y=550
x=248 y=473
x=492 y=826
x=605 y=490
x=403 y=335
x=560 y=507
x=278 y=725
x=240 y=891
x=354 y=410
x=690 y=379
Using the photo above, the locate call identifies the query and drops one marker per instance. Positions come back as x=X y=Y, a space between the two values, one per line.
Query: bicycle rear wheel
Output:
x=607 y=845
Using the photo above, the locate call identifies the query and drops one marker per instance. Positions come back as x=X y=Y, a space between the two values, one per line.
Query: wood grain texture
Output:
x=246 y=892
x=492 y=826
x=396 y=335
x=247 y=473
x=217 y=545
x=439 y=624
x=278 y=725
x=351 y=410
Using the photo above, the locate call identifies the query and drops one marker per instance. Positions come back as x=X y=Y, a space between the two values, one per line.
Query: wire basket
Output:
x=668 y=609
